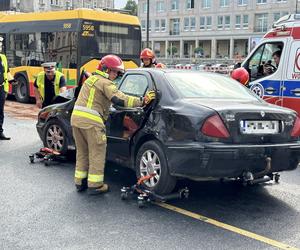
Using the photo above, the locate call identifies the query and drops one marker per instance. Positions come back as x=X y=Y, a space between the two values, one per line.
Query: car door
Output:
x=267 y=85
x=123 y=122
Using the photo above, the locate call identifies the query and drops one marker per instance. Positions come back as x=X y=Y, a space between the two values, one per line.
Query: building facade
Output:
x=49 y=5
x=210 y=29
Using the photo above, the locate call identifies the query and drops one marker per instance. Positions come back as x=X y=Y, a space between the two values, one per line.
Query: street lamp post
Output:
x=147 y=36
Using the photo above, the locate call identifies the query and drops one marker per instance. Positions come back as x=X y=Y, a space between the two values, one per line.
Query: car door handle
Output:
x=270 y=90
x=296 y=91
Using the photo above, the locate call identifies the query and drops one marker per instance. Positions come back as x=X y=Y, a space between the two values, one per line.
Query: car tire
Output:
x=55 y=136
x=21 y=90
x=163 y=182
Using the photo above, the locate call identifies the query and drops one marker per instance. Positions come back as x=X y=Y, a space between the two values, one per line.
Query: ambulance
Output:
x=274 y=64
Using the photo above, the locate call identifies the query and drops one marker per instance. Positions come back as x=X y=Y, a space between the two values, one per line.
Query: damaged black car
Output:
x=201 y=126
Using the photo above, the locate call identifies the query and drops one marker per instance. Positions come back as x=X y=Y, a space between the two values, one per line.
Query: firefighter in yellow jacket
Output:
x=48 y=84
x=88 y=122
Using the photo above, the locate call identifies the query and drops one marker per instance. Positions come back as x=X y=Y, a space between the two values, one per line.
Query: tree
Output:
x=198 y=51
x=173 y=51
x=132 y=7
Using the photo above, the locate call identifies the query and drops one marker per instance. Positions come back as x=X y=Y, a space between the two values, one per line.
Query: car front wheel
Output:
x=152 y=160
x=55 y=136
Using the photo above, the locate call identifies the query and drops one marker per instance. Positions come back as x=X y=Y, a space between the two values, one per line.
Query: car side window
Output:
x=265 y=60
x=135 y=85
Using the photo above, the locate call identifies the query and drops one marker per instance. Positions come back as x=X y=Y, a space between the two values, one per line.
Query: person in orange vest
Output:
x=88 y=119
x=48 y=84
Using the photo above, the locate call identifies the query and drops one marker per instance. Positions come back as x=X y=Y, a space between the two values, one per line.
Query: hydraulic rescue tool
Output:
x=145 y=195
x=47 y=155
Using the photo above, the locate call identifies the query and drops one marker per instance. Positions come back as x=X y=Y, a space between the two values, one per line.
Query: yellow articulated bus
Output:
x=75 y=39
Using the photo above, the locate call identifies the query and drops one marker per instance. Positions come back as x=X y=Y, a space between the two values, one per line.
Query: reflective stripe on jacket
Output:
x=5 y=66
x=40 y=81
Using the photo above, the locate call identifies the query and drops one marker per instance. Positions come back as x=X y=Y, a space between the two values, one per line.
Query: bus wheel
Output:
x=21 y=90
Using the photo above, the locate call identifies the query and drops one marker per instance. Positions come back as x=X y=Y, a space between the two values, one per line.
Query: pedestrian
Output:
x=148 y=59
x=5 y=79
x=90 y=112
x=48 y=84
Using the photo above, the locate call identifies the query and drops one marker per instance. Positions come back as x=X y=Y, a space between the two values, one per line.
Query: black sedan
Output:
x=201 y=126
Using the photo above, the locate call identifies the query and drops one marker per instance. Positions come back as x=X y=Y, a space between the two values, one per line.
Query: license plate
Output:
x=259 y=127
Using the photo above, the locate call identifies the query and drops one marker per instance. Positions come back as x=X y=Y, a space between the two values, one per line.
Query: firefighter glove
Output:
x=150 y=95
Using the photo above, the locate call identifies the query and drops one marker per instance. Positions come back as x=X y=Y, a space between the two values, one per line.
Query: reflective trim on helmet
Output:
x=88 y=116
x=91 y=98
x=81 y=174
x=95 y=177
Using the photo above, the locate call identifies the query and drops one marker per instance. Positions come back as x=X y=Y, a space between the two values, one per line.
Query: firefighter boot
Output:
x=98 y=190
x=83 y=185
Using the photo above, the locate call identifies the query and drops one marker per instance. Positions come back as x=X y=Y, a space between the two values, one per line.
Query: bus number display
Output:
x=88 y=30
x=67 y=25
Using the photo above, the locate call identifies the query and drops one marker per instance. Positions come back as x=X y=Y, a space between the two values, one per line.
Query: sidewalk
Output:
x=21 y=110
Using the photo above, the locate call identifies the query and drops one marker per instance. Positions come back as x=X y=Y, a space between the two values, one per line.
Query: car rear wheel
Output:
x=55 y=136
x=151 y=159
x=21 y=90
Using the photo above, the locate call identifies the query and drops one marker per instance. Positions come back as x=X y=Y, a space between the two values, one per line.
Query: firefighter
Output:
x=5 y=78
x=48 y=84
x=147 y=57
x=90 y=112
x=241 y=75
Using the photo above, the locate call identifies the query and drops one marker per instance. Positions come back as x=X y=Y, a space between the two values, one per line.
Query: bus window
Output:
x=263 y=62
x=106 y=38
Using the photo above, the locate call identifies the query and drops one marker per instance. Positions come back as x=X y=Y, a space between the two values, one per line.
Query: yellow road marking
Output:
x=227 y=227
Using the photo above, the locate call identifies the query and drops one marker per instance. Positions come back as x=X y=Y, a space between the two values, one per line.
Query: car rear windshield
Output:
x=205 y=85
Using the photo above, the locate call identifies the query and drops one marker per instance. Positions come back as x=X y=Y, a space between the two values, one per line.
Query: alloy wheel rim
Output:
x=150 y=163
x=55 y=138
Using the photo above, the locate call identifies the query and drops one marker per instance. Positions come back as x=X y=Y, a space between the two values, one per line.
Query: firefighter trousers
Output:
x=90 y=155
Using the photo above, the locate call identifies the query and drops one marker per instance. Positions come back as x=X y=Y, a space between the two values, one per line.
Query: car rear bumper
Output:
x=213 y=160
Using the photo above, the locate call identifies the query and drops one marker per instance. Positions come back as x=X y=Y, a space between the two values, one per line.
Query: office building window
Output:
x=276 y=16
x=145 y=7
x=238 y=21
x=261 y=1
x=224 y=3
x=202 y=23
x=261 y=22
x=245 y=21
x=206 y=4
x=186 y=26
x=227 y=22
x=175 y=26
x=156 y=28
x=175 y=5
x=242 y=2
x=190 y=4
x=143 y=24
x=208 y=22
x=193 y=23
x=160 y=6
x=220 y=22
x=163 y=25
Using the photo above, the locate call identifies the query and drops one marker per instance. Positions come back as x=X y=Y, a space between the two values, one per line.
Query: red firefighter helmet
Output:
x=241 y=75
x=111 y=62
x=147 y=54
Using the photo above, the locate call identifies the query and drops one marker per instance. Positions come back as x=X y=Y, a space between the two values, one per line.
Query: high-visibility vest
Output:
x=5 y=66
x=40 y=81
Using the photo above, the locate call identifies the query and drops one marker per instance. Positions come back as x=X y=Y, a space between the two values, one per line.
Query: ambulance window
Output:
x=264 y=62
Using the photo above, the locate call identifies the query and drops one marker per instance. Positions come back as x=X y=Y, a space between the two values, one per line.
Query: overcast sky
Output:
x=120 y=3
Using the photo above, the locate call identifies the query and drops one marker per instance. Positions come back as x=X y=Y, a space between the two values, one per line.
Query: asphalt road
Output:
x=40 y=208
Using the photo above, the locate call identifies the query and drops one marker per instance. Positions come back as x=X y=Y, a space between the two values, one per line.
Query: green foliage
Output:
x=132 y=7
x=172 y=50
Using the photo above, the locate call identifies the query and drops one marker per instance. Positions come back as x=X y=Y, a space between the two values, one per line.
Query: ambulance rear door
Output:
x=291 y=90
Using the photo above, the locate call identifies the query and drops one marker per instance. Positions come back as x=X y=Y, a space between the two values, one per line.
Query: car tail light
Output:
x=296 y=129
x=214 y=127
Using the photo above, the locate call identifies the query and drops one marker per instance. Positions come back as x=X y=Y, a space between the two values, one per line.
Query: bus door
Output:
x=291 y=91
x=266 y=73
